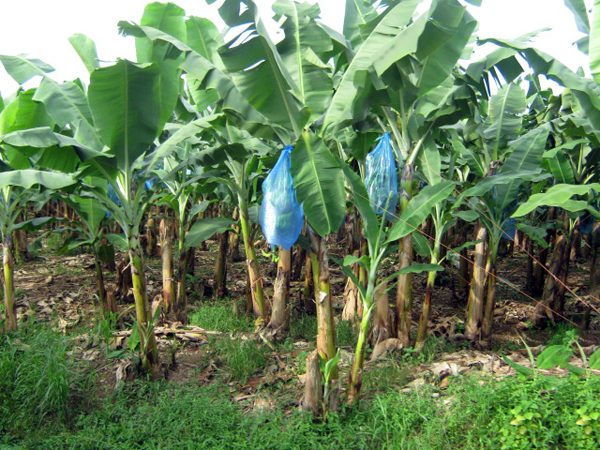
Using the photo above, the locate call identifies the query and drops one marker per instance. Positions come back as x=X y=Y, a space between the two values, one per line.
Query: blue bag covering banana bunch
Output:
x=381 y=177
x=281 y=217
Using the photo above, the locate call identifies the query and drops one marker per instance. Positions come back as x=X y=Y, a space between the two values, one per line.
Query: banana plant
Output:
x=22 y=178
x=494 y=198
x=115 y=128
x=184 y=173
x=379 y=239
x=92 y=221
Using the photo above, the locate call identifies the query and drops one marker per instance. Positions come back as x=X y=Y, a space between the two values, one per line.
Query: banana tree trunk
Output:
x=279 y=314
x=575 y=251
x=308 y=292
x=220 y=277
x=234 y=238
x=544 y=311
x=352 y=296
x=326 y=327
x=355 y=380
x=259 y=304
x=539 y=273
x=149 y=350
x=166 y=245
x=180 y=304
x=490 y=298
x=151 y=240
x=382 y=322
x=594 y=239
x=9 y=287
x=476 y=301
x=424 y=319
x=404 y=289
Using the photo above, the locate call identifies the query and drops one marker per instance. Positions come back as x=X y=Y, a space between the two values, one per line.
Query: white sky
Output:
x=41 y=28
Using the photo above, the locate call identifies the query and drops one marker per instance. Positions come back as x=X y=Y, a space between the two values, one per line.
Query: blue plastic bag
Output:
x=381 y=177
x=280 y=216
x=112 y=195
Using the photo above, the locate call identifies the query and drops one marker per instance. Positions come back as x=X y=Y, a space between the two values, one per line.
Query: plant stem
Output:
x=168 y=285
x=355 y=382
x=256 y=288
x=281 y=291
x=149 y=350
x=477 y=293
x=404 y=290
x=9 y=292
x=326 y=328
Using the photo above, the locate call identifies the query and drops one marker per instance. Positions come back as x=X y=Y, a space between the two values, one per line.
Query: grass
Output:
x=305 y=327
x=220 y=317
x=241 y=359
x=37 y=381
x=471 y=415
x=41 y=407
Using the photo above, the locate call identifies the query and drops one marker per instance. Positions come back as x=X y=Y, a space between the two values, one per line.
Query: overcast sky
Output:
x=41 y=28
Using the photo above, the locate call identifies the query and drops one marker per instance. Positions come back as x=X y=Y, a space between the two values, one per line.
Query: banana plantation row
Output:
x=477 y=149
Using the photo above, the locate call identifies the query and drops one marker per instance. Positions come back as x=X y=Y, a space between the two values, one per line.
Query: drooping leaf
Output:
x=168 y=18
x=177 y=138
x=561 y=168
x=526 y=371
x=419 y=208
x=355 y=86
x=319 y=183
x=538 y=234
x=86 y=49
x=579 y=10
x=554 y=355
x=65 y=102
x=261 y=76
x=526 y=156
x=506 y=108
x=430 y=162
x=204 y=229
x=119 y=240
x=301 y=51
x=30 y=177
x=557 y=195
x=23 y=69
x=125 y=102
x=594 y=360
x=594 y=42
x=442 y=43
x=43 y=137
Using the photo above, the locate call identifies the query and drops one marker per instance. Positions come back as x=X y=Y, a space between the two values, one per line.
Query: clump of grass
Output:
x=303 y=327
x=346 y=334
x=472 y=413
x=242 y=358
x=563 y=334
x=37 y=381
x=220 y=317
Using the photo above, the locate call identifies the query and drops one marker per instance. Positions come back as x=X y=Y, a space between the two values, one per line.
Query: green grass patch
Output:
x=38 y=383
x=241 y=359
x=473 y=413
x=220 y=317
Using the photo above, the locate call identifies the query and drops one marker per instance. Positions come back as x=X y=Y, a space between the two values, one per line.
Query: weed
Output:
x=36 y=379
x=242 y=358
x=106 y=325
x=303 y=327
x=346 y=333
x=563 y=334
x=220 y=317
